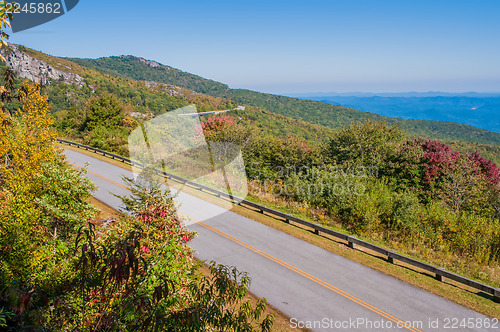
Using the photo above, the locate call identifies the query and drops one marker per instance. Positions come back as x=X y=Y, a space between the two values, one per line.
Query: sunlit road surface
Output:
x=313 y=286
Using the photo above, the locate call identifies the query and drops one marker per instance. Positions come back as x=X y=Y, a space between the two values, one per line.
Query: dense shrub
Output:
x=406 y=212
x=60 y=272
x=366 y=143
x=419 y=192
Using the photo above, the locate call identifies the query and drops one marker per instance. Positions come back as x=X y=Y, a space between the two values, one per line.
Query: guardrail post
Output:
x=439 y=276
x=496 y=295
x=390 y=256
x=350 y=241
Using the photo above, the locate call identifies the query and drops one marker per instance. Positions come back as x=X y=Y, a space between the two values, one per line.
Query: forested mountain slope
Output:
x=311 y=111
x=71 y=87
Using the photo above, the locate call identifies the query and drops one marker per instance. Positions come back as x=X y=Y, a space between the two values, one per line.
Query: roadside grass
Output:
x=97 y=156
x=281 y=321
x=463 y=265
x=104 y=210
x=448 y=289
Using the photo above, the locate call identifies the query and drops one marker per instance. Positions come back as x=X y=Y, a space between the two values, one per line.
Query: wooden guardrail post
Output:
x=350 y=241
x=439 y=276
x=390 y=256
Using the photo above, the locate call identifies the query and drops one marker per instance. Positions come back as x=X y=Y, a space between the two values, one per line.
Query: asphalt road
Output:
x=314 y=287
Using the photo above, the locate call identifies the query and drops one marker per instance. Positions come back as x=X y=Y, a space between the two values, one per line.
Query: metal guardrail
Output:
x=352 y=241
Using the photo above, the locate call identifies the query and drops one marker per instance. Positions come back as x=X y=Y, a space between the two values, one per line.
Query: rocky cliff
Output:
x=33 y=69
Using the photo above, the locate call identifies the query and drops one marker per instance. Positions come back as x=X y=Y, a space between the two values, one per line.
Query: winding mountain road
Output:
x=315 y=287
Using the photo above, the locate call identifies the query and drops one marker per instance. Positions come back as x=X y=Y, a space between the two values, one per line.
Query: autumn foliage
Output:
x=59 y=271
x=373 y=180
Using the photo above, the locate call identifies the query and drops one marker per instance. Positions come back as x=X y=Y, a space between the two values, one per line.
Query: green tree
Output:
x=367 y=143
x=103 y=111
x=43 y=200
x=405 y=169
x=462 y=186
x=144 y=277
x=138 y=273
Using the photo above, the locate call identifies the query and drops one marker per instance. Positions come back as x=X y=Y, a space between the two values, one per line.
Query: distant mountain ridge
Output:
x=471 y=94
x=279 y=116
x=70 y=87
x=128 y=65
x=475 y=109
x=315 y=112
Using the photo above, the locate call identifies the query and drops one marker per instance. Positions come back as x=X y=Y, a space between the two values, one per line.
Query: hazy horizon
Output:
x=394 y=93
x=293 y=47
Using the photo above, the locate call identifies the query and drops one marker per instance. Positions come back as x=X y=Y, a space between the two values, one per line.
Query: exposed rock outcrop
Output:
x=36 y=70
x=150 y=63
x=168 y=88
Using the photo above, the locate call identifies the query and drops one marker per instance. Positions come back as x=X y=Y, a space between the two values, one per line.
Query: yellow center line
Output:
x=312 y=278
x=100 y=176
x=364 y=304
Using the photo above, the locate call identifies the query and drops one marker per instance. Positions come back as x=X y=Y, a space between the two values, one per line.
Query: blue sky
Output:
x=294 y=46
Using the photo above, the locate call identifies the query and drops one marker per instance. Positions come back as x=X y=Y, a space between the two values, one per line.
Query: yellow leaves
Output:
x=28 y=140
x=26 y=144
x=4 y=130
x=5 y=17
